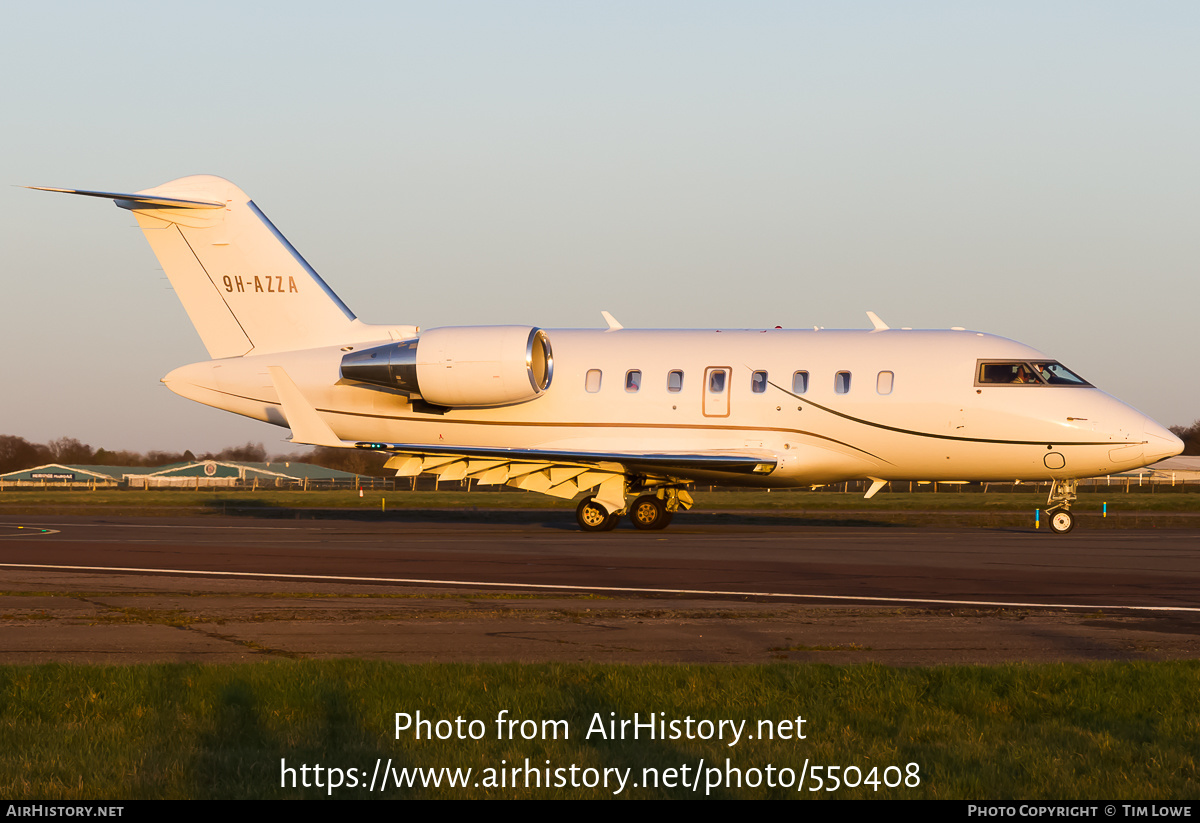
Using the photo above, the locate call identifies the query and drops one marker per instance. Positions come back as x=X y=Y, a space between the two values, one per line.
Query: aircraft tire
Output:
x=592 y=517
x=1062 y=522
x=648 y=513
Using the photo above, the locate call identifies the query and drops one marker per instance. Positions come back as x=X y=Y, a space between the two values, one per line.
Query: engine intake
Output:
x=467 y=367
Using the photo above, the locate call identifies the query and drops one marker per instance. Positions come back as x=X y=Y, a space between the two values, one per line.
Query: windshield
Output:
x=1026 y=373
x=1056 y=374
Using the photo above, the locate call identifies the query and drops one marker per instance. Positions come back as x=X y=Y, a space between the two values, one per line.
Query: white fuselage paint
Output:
x=935 y=424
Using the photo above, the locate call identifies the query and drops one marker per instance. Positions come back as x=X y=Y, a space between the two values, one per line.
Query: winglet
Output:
x=877 y=323
x=613 y=325
x=307 y=426
x=876 y=485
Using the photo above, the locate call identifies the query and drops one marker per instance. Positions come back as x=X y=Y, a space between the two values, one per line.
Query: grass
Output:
x=844 y=647
x=1111 y=731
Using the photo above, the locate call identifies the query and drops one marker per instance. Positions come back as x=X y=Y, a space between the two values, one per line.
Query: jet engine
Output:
x=466 y=367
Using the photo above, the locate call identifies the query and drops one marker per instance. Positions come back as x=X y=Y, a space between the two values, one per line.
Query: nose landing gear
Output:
x=1062 y=522
x=1058 y=505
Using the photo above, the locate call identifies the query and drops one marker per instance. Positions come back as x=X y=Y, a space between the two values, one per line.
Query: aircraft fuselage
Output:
x=625 y=419
x=892 y=404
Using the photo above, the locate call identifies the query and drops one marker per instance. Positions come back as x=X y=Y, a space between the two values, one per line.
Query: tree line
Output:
x=17 y=453
x=1190 y=435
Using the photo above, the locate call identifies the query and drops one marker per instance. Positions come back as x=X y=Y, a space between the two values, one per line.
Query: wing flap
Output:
x=563 y=473
x=759 y=462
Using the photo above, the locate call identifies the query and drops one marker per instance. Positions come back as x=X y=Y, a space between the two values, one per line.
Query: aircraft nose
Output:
x=1160 y=443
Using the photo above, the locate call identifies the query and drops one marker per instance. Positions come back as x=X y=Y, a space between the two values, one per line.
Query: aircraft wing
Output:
x=561 y=473
x=557 y=472
x=658 y=462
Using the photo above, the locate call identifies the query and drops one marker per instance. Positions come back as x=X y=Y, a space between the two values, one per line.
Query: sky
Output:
x=1026 y=169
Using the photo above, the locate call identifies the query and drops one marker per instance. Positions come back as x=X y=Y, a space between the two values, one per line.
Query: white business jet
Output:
x=629 y=419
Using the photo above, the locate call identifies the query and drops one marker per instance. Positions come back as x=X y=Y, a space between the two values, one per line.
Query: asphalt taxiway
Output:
x=520 y=586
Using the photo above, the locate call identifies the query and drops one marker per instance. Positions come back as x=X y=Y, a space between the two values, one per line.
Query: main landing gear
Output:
x=593 y=517
x=648 y=512
x=1058 y=505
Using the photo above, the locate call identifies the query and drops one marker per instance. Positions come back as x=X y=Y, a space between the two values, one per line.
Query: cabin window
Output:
x=675 y=380
x=883 y=383
x=758 y=382
x=633 y=380
x=716 y=381
x=592 y=382
x=800 y=382
x=841 y=382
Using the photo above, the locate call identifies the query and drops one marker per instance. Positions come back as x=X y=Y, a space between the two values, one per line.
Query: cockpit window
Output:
x=1006 y=373
x=1056 y=374
x=1024 y=373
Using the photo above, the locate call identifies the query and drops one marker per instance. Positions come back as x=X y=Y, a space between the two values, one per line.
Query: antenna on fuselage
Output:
x=877 y=323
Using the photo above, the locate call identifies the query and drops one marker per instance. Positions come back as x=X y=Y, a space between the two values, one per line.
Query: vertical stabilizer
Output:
x=244 y=286
x=242 y=283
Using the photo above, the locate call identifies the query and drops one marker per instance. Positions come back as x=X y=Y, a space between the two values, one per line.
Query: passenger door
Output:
x=716 y=391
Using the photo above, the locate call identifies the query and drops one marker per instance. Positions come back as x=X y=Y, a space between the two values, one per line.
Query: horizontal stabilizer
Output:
x=130 y=201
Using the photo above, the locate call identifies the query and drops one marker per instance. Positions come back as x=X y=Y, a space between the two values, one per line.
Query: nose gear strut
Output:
x=1058 y=505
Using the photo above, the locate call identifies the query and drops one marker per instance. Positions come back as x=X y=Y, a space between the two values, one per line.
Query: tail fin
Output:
x=244 y=286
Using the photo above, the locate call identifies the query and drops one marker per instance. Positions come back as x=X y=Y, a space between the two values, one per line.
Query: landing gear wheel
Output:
x=1062 y=522
x=649 y=513
x=592 y=517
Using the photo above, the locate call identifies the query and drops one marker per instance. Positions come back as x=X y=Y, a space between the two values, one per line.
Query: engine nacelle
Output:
x=462 y=367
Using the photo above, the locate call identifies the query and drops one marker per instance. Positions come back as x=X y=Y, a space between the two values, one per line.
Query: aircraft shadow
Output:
x=555 y=519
